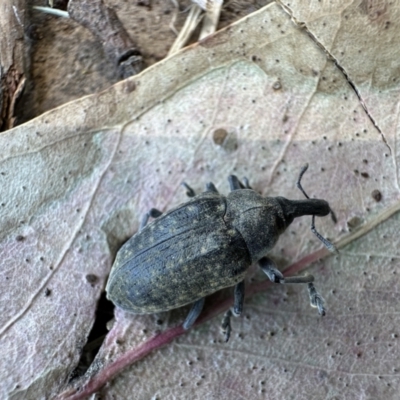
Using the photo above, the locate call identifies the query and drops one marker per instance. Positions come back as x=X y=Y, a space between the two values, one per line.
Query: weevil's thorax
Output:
x=260 y=220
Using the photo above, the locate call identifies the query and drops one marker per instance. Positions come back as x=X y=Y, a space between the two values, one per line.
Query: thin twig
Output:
x=190 y=25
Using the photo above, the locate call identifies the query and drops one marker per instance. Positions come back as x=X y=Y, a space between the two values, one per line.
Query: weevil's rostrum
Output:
x=205 y=245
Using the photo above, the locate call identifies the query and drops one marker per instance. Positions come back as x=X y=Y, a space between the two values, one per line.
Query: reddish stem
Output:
x=110 y=371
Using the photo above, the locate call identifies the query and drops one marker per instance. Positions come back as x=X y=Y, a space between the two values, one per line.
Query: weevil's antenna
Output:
x=303 y=170
x=330 y=246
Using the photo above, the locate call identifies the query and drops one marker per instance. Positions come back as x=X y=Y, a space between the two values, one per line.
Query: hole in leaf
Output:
x=104 y=313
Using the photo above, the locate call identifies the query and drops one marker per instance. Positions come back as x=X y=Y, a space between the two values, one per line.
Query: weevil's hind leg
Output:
x=194 y=313
x=235 y=311
x=153 y=213
x=275 y=276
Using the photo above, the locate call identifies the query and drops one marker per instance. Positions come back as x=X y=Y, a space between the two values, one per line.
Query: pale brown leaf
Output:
x=75 y=182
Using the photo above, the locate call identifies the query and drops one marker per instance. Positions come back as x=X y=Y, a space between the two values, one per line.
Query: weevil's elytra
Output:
x=205 y=245
x=154 y=269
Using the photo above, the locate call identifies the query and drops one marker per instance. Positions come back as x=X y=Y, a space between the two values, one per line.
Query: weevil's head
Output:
x=260 y=220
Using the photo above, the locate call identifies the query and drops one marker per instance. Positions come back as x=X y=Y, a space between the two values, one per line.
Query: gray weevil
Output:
x=205 y=245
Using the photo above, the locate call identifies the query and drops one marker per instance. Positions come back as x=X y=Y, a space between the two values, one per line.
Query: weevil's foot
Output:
x=316 y=300
x=226 y=325
x=274 y=275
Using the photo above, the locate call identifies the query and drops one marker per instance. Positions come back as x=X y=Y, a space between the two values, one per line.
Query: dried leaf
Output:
x=259 y=99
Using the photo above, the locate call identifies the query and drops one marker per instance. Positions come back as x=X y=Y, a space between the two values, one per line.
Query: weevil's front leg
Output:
x=236 y=310
x=153 y=213
x=194 y=313
x=274 y=275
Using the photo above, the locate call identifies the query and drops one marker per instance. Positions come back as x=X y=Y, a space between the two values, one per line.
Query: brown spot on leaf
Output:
x=373 y=9
x=91 y=278
x=354 y=223
x=130 y=86
x=227 y=140
x=277 y=85
x=213 y=40
x=376 y=195
x=219 y=136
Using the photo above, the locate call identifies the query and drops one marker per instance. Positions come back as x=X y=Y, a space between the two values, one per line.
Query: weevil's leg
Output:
x=269 y=269
x=274 y=275
x=330 y=246
x=316 y=299
x=210 y=187
x=226 y=324
x=246 y=183
x=193 y=313
x=153 y=213
x=189 y=191
x=235 y=184
x=238 y=299
x=235 y=311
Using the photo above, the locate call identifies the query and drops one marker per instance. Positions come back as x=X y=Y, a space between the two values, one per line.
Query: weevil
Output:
x=205 y=245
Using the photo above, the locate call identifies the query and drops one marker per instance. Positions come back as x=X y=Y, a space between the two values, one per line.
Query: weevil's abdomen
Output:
x=182 y=256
